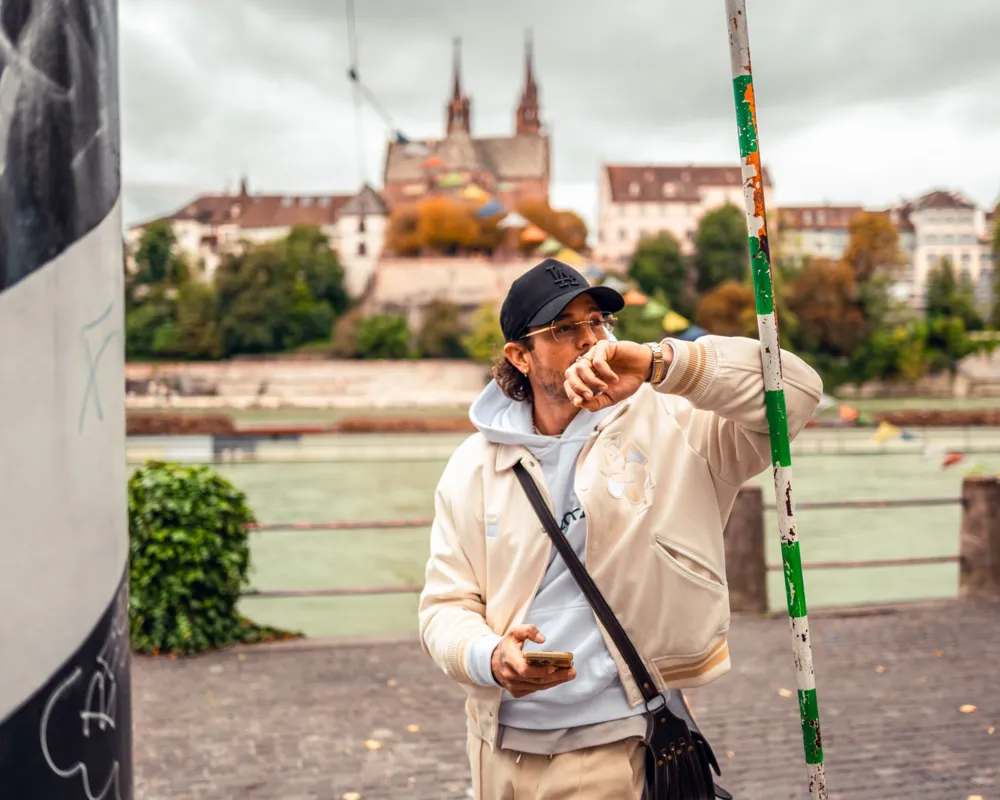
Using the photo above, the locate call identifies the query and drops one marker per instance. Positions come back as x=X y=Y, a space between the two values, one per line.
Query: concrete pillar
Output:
x=746 y=564
x=65 y=713
x=979 y=575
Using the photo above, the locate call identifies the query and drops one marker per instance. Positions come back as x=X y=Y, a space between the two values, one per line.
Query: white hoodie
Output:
x=559 y=609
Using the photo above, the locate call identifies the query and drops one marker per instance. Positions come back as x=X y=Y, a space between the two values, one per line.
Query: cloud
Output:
x=211 y=90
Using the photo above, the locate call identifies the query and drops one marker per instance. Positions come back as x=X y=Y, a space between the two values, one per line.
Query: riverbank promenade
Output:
x=909 y=703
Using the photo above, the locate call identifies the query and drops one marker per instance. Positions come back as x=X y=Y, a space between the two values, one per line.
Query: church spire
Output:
x=458 y=105
x=528 y=120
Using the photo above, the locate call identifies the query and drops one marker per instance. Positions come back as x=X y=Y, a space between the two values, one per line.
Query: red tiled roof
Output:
x=658 y=183
x=817 y=218
x=262 y=211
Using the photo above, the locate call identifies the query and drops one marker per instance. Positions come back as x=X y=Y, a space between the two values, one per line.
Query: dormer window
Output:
x=633 y=189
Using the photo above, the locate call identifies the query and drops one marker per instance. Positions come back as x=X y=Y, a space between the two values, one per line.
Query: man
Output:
x=640 y=450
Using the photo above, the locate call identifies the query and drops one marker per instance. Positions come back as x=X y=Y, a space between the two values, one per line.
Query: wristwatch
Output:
x=657 y=369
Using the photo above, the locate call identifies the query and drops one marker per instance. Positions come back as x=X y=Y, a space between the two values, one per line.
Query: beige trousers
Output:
x=614 y=771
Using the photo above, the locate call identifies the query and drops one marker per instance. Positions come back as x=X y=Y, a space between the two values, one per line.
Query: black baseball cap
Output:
x=541 y=294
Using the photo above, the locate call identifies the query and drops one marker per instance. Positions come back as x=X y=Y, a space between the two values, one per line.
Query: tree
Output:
x=441 y=333
x=948 y=297
x=484 y=341
x=566 y=226
x=384 y=336
x=728 y=310
x=310 y=257
x=198 y=322
x=873 y=245
x=446 y=225
x=657 y=265
x=403 y=237
x=280 y=295
x=722 y=251
x=823 y=298
x=156 y=259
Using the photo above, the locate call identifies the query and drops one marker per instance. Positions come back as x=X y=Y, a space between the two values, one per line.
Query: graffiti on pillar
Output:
x=59 y=130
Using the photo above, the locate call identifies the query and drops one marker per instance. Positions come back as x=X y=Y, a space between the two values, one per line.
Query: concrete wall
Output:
x=305 y=384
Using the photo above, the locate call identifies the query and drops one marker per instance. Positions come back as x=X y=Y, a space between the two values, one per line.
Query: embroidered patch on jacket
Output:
x=627 y=470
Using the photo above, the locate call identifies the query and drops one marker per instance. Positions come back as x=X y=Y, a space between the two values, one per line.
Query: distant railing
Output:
x=756 y=524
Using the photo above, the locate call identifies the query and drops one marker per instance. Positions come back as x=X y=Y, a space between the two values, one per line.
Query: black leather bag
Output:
x=679 y=760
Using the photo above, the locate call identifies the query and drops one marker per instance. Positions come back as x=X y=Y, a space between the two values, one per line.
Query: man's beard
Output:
x=551 y=384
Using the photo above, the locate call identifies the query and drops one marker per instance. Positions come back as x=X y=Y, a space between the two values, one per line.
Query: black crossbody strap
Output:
x=587 y=585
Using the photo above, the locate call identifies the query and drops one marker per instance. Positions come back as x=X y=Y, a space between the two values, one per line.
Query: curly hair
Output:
x=512 y=382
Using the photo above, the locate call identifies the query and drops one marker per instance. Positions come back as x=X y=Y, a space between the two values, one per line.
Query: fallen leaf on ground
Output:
x=372 y=744
x=392 y=683
x=352 y=796
x=938 y=653
x=967 y=709
x=784 y=692
x=730 y=754
x=990 y=730
x=880 y=669
x=242 y=656
x=413 y=728
x=975 y=797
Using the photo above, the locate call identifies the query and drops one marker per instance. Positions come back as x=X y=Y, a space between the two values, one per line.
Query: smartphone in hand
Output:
x=548 y=658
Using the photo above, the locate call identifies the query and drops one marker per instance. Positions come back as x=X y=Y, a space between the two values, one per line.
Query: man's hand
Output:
x=512 y=672
x=610 y=372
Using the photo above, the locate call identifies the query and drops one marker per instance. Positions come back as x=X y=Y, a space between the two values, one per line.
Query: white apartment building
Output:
x=211 y=226
x=940 y=224
x=813 y=232
x=944 y=224
x=636 y=201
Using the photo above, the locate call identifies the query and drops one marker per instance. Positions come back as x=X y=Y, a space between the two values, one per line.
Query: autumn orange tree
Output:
x=873 y=245
x=565 y=226
x=442 y=225
x=824 y=299
x=728 y=310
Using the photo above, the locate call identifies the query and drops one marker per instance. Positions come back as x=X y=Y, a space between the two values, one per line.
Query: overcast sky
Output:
x=859 y=101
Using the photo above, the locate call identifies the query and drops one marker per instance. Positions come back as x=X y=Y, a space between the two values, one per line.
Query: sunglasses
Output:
x=600 y=325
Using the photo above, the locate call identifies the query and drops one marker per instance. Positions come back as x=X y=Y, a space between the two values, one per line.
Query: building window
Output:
x=286 y=202
x=622 y=234
x=362 y=250
x=306 y=201
x=361 y=224
x=821 y=218
x=324 y=202
x=807 y=218
x=669 y=190
x=633 y=189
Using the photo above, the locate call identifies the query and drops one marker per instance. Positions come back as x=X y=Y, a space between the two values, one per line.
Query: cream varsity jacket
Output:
x=656 y=481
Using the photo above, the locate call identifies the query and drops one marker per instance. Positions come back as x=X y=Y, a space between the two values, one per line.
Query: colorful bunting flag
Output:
x=533 y=234
x=549 y=246
x=513 y=220
x=675 y=323
x=473 y=192
x=634 y=297
x=848 y=413
x=451 y=180
x=490 y=209
x=885 y=432
x=569 y=256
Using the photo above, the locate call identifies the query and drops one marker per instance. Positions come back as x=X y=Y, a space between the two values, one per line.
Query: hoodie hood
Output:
x=504 y=421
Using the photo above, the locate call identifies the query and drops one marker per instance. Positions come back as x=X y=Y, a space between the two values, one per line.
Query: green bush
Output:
x=189 y=559
x=384 y=336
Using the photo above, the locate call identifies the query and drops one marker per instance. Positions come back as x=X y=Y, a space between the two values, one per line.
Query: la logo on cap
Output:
x=561 y=277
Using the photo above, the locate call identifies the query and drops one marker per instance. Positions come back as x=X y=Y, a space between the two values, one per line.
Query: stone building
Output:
x=213 y=225
x=511 y=168
x=635 y=201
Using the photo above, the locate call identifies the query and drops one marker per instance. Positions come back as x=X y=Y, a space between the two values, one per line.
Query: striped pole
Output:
x=767 y=327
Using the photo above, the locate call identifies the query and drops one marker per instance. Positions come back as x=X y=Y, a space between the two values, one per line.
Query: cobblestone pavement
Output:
x=291 y=721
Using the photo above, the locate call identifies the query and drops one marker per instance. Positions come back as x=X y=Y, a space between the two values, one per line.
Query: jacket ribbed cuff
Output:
x=479 y=658
x=692 y=370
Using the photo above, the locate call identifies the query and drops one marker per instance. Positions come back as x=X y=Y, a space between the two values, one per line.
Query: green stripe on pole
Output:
x=794 y=588
x=763 y=292
x=809 y=712
x=777 y=421
x=744 y=114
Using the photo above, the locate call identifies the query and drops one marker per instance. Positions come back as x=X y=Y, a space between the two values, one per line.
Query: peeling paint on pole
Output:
x=774 y=395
